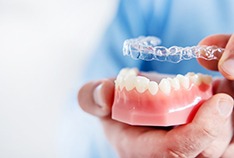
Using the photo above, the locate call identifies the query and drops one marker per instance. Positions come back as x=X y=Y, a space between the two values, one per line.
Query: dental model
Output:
x=147 y=48
x=172 y=101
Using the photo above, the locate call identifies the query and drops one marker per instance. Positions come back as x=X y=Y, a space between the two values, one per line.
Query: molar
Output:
x=165 y=86
x=195 y=78
x=206 y=79
x=141 y=83
x=153 y=87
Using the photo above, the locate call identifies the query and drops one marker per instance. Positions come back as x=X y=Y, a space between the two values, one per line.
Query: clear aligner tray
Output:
x=147 y=48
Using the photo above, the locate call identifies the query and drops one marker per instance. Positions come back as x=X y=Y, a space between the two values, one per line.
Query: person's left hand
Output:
x=207 y=135
x=210 y=134
x=225 y=65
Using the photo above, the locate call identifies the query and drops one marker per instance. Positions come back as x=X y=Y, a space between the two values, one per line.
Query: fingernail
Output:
x=98 y=97
x=225 y=107
x=228 y=65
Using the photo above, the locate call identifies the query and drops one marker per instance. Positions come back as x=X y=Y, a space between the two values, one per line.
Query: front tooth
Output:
x=141 y=83
x=128 y=82
x=165 y=86
x=184 y=81
x=175 y=83
x=153 y=87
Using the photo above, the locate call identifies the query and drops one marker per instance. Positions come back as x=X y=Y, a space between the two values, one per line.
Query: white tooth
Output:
x=128 y=82
x=119 y=78
x=153 y=87
x=121 y=86
x=116 y=83
x=133 y=72
x=175 y=83
x=206 y=79
x=165 y=86
x=126 y=72
x=190 y=74
x=123 y=71
x=141 y=83
x=184 y=81
x=196 y=79
x=119 y=81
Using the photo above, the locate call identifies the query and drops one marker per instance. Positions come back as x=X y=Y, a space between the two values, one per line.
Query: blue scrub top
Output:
x=180 y=22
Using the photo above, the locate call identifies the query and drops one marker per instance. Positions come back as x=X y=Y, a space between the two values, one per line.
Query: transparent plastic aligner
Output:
x=147 y=48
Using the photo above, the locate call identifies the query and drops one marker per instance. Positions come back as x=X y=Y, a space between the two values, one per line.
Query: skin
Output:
x=210 y=134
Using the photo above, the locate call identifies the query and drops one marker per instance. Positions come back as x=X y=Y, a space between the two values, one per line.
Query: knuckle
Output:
x=208 y=154
x=183 y=147
x=186 y=149
x=212 y=151
x=209 y=133
x=172 y=153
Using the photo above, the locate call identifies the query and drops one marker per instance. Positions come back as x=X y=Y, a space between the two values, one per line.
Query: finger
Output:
x=229 y=150
x=96 y=98
x=222 y=85
x=226 y=63
x=218 y=146
x=203 y=130
x=219 y=40
x=184 y=141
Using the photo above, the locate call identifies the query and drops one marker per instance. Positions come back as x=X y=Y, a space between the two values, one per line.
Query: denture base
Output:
x=179 y=107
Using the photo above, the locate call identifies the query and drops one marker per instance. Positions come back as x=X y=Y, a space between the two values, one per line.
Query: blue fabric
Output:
x=180 y=22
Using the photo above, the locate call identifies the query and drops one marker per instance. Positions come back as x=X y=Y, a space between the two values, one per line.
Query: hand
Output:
x=226 y=66
x=226 y=63
x=208 y=135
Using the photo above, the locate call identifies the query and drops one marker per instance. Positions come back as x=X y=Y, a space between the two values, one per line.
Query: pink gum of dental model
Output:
x=177 y=107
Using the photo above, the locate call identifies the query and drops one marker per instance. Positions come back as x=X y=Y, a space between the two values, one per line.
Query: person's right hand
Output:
x=208 y=135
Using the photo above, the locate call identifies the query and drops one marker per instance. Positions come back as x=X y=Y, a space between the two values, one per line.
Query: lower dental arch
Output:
x=128 y=78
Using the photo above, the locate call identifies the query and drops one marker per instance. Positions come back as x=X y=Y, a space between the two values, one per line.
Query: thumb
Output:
x=226 y=62
x=203 y=130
